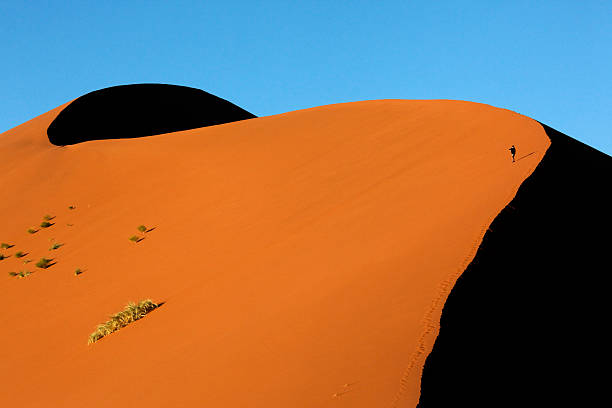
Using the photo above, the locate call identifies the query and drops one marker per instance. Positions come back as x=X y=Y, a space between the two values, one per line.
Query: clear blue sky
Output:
x=550 y=60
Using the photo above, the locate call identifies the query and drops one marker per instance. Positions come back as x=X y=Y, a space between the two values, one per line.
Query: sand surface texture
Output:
x=303 y=259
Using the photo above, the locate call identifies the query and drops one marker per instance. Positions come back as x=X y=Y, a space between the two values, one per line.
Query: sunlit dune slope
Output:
x=303 y=259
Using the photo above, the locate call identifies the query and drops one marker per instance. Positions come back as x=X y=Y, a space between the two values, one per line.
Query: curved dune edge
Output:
x=414 y=370
x=140 y=110
x=543 y=254
x=295 y=253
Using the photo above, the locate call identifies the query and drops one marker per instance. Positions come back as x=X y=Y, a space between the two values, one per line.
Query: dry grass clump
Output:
x=130 y=313
x=32 y=231
x=45 y=224
x=20 y=254
x=2 y=256
x=44 y=263
x=21 y=274
x=4 y=245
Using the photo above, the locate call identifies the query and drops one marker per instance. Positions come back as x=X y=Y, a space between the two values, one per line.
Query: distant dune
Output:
x=302 y=259
x=129 y=111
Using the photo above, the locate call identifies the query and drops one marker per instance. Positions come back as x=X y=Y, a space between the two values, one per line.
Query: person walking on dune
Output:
x=512 y=152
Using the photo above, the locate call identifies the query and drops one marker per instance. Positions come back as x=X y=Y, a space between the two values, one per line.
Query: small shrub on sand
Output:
x=47 y=217
x=32 y=231
x=44 y=263
x=27 y=261
x=45 y=224
x=135 y=238
x=142 y=228
x=78 y=272
x=21 y=274
x=4 y=245
x=2 y=257
x=20 y=254
x=71 y=207
x=130 y=313
x=55 y=246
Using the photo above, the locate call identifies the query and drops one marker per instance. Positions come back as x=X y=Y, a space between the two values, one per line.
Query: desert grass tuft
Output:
x=71 y=207
x=21 y=274
x=142 y=228
x=78 y=272
x=20 y=254
x=32 y=231
x=2 y=257
x=135 y=238
x=4 y=245
x=45 y=224
x=55 y=246
x=129 y=314
x=43 y=263
x=48 y=217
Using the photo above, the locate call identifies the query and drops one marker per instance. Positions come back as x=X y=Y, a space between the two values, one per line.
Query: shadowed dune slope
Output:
x=129 y=111
x=522 y=326
x=303 y=259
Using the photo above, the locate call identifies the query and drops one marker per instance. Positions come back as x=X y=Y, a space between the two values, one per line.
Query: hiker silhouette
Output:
x=513 y=152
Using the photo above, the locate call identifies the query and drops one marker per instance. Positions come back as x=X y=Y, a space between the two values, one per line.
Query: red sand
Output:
x=303 y=258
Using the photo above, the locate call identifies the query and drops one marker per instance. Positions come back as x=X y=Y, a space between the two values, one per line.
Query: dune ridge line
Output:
x=418 y=357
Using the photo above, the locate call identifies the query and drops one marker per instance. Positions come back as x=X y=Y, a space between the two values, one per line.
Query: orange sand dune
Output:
x=303 y=258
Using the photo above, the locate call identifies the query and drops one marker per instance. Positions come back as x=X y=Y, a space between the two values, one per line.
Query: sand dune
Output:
x=129 y=111
x=522 y=326
x=303 y=259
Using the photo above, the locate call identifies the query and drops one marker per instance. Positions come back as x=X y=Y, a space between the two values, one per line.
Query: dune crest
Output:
x=513 y=327
x=303 y=259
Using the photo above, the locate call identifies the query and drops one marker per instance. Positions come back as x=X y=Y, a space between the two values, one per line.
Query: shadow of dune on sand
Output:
x=130 y=111
x=521 y=327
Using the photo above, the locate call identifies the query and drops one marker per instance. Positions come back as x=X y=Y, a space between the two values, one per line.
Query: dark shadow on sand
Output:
x=523 y=326
x=527 y=155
